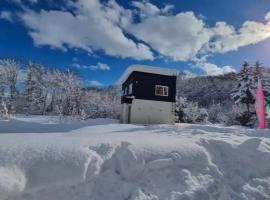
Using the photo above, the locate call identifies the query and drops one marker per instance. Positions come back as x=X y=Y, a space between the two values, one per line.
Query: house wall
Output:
x=144 y=86
x=125 y=112
x=152 y=112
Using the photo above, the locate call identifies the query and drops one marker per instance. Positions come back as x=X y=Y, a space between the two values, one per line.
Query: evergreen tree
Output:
x=244 y=94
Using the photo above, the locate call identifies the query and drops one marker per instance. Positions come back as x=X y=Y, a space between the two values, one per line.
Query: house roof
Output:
x=146 y=69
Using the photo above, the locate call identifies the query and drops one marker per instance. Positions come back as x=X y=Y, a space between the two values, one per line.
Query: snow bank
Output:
x=120 y=162
x=47 y=124
x=12 y=181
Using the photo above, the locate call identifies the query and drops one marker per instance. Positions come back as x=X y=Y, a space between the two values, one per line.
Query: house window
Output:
x=126 y=92
x=162 y=90
x=130 y=88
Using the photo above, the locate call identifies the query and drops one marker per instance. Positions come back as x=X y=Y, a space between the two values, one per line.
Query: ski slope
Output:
x=42 y=158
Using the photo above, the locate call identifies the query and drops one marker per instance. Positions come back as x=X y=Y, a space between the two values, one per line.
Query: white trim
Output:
x=130 y=97
x=147 y=69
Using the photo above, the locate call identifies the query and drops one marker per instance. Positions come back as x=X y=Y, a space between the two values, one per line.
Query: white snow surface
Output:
x=41 y=158
x=147 y=69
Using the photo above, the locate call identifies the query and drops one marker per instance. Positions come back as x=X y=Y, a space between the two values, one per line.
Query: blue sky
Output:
x=100 y=39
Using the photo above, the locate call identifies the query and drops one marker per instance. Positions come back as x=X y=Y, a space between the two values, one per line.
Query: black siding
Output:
x=144 y=86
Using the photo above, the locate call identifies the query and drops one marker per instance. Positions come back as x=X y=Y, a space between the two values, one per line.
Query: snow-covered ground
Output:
x=100 y=159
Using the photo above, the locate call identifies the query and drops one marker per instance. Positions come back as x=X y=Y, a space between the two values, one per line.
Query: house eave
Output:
x=146 y=69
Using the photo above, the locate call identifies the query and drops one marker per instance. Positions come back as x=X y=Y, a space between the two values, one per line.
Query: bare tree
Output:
x=9 y=70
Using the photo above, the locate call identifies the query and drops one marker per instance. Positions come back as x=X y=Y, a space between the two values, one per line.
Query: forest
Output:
x=37 y=90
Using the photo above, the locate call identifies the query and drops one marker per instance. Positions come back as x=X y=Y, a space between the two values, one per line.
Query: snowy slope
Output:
x=100 y=159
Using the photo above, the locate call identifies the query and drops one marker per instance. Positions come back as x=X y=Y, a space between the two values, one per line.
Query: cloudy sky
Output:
x=100 y=39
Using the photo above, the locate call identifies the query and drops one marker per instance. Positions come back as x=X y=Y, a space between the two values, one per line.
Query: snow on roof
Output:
x=146 y=69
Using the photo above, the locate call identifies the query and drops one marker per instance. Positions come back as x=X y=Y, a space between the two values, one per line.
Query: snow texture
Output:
x=101 y=159
x=147 y=69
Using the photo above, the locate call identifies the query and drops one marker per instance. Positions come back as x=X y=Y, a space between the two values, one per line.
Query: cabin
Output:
x=148 y=95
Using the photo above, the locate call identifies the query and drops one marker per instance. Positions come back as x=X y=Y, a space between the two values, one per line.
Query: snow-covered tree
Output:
x=36 y=88
x=244 y=94
x=103 y=102
x=30 y=85
x=9 y=70
x=66 y=93
x=45 y=91
x=190 y=112
x=207 y=90
x=244 y=91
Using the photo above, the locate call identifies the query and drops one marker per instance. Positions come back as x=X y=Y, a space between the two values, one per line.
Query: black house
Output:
x=148 y=95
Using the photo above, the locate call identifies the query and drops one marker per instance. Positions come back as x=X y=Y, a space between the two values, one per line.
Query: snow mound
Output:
x=12 y=181
x=120 y=162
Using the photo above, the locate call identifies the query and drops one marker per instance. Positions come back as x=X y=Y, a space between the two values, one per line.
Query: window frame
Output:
x=165 y=90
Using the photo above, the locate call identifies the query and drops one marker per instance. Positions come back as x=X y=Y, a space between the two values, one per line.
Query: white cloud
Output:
x=105 y=25
x=94 y=26
x=189 y=74
x=226 y=38
x=179 y=37
x=167 y=8
x=98 y=66
x=213 y=70
x=147 y=9
x=267 y=16
x=185 y=36
x=95 y=83
x=6 y=15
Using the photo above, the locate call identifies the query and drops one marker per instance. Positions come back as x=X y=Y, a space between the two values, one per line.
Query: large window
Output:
x=162 y=90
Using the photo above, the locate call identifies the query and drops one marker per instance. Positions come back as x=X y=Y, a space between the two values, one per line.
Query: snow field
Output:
x=119 y=162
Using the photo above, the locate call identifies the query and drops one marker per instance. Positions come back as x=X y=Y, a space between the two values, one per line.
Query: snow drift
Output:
x=121 y=162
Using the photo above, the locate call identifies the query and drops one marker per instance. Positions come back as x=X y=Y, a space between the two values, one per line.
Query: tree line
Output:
x=42 y=91
x=244 y=93
x=228 y=99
